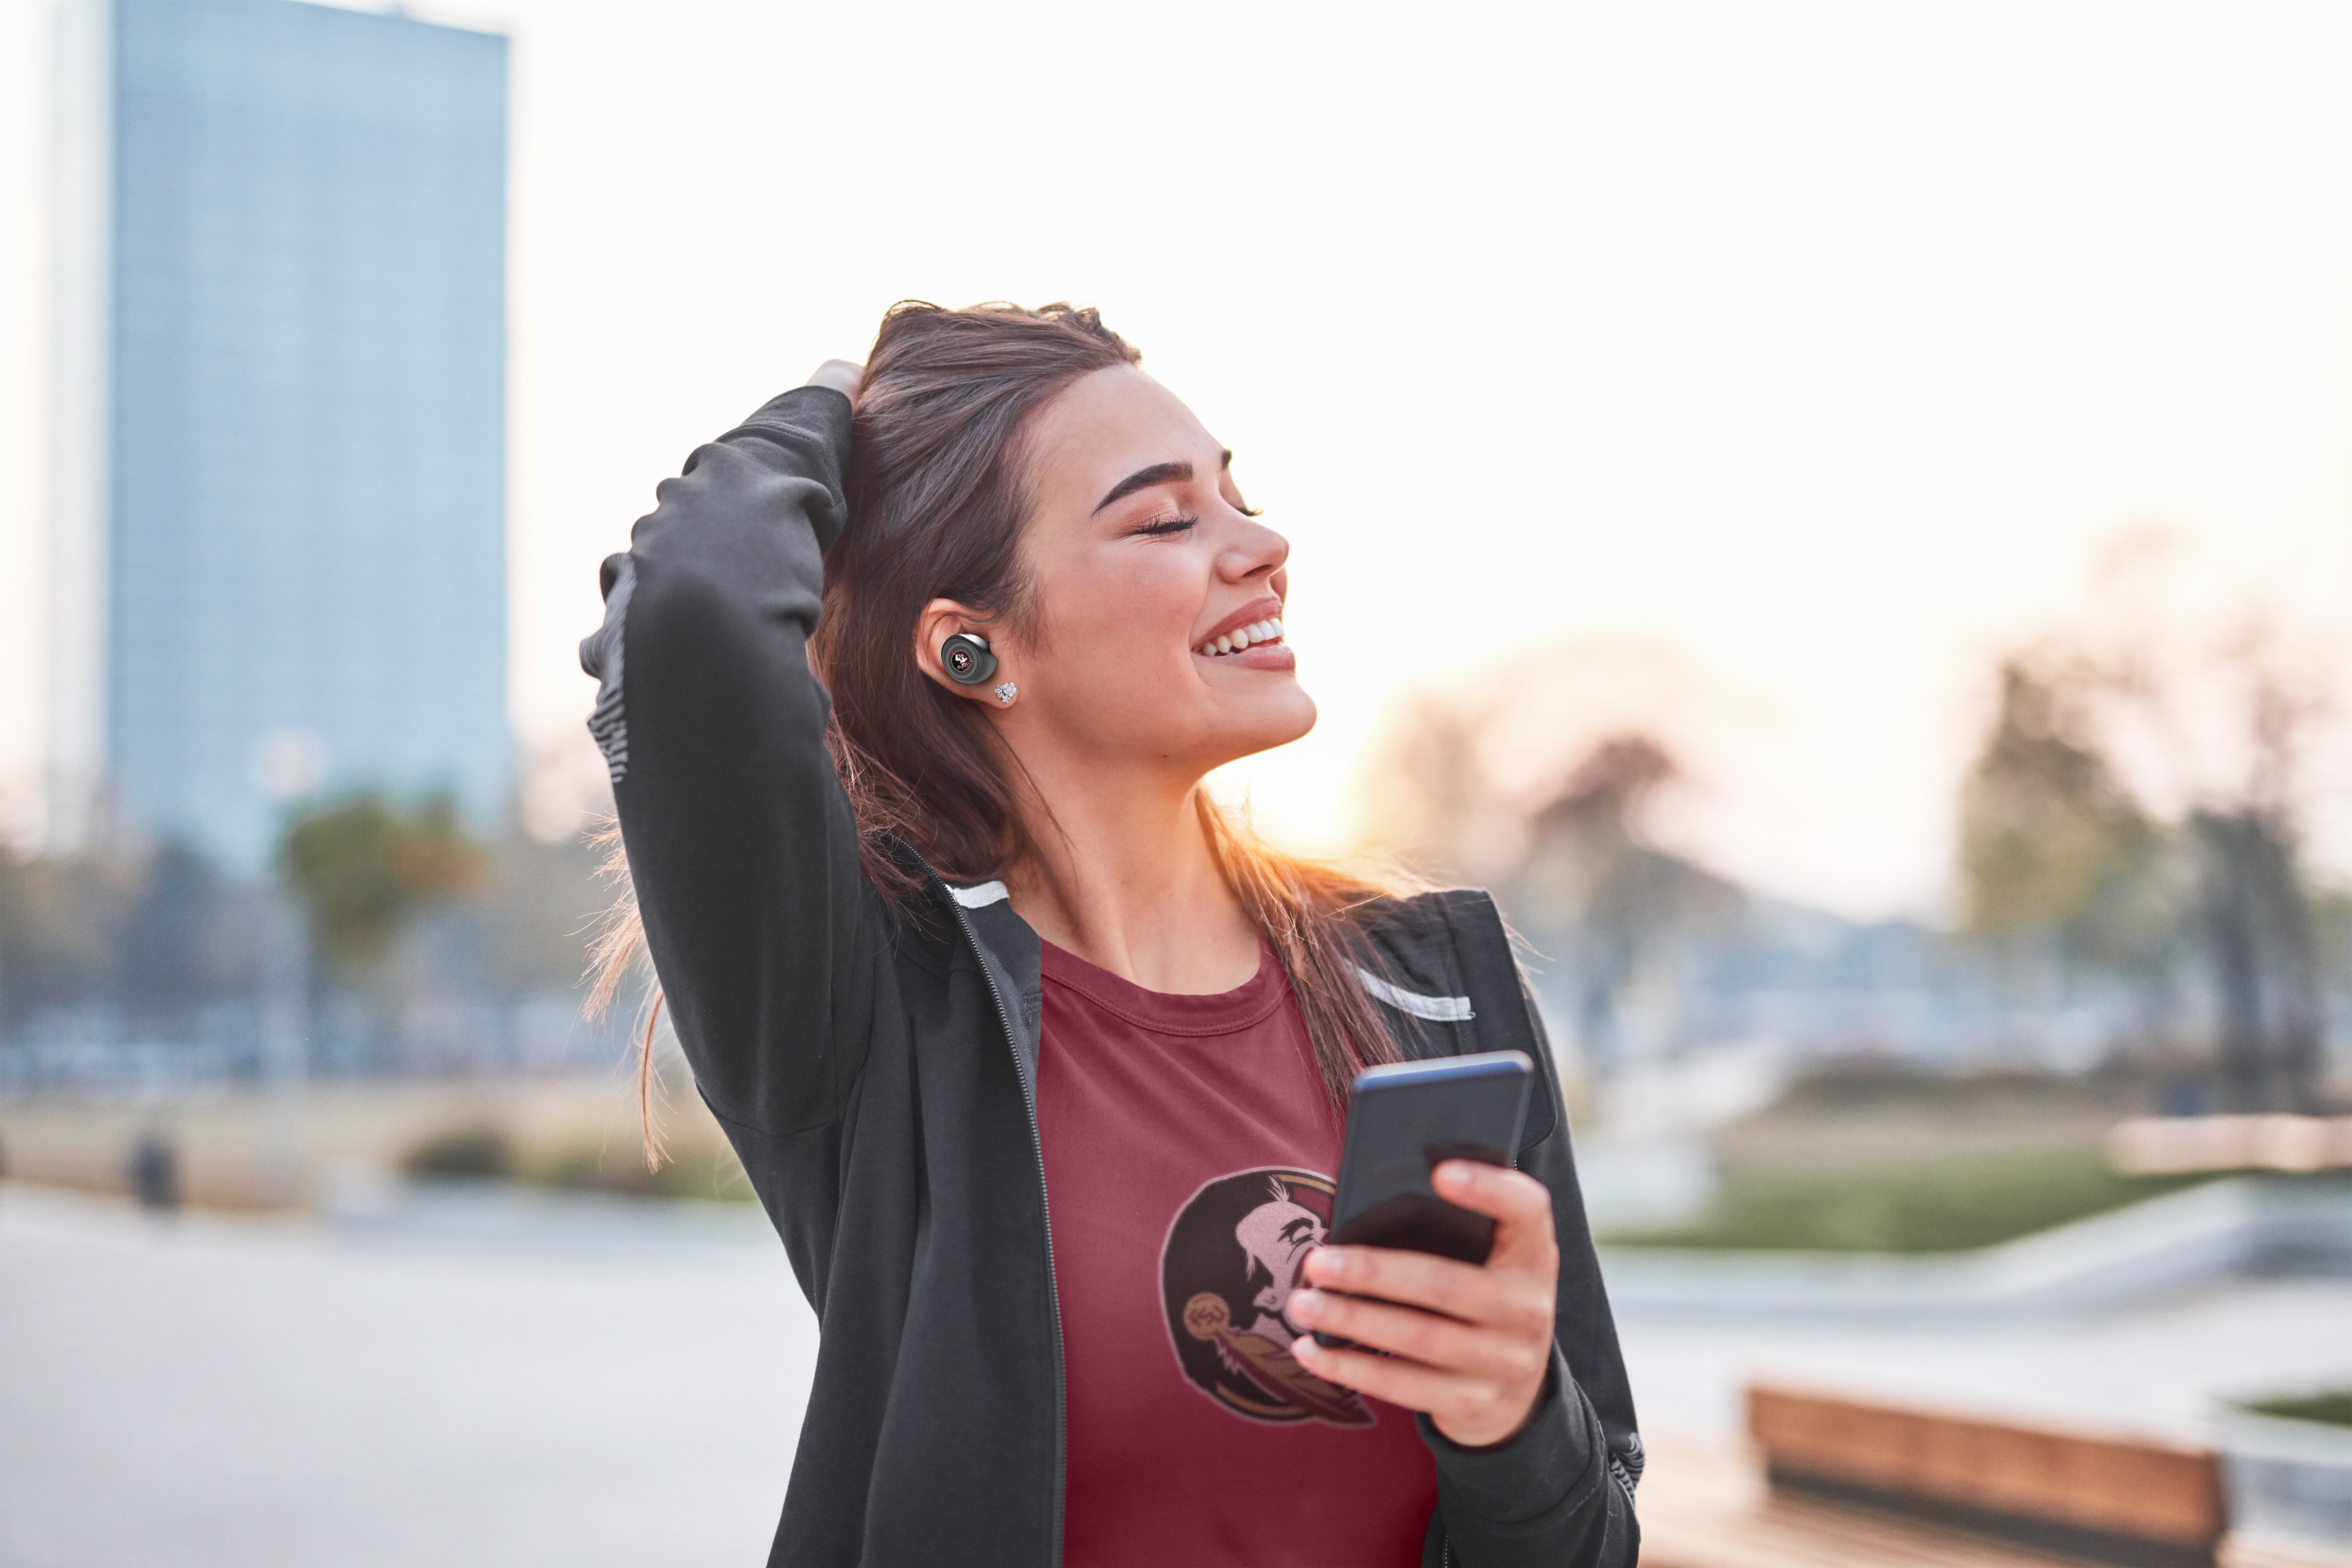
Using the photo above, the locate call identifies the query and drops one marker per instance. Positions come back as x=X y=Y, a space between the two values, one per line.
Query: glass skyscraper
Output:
x=281 y=533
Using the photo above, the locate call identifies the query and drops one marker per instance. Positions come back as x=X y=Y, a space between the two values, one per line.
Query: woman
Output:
x=1039 y=1063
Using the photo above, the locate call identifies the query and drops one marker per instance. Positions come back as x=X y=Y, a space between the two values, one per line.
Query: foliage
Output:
x=2184 y=873
x=1569 y=849
x=479 y=1150
x=538 y=903
x=1876 y=1085
x=701 y=1170
x=1945 y=1207
x=189 y=937
x=156 y=941
x=2333 y=1409
x=1591 y=877
x=588 y=1162
x=365 y=868
x=2051 y=842
x=59 y=920
x=1428 y=786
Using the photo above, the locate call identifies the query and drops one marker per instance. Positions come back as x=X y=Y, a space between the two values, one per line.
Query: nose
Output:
x=1254 y=551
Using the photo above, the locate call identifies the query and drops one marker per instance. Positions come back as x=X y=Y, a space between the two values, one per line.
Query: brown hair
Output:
x=937 y=501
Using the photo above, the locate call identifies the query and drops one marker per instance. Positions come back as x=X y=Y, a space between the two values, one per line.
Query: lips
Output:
x=1258 y=624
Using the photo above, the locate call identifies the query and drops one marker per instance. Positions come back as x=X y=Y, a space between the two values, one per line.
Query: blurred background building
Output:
x=281 y=792
x=281 y=548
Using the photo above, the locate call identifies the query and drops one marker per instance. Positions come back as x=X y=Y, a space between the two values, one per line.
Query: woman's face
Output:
x=1142 y=554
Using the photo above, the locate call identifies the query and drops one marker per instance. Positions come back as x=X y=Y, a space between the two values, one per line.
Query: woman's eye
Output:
x=1165 y=525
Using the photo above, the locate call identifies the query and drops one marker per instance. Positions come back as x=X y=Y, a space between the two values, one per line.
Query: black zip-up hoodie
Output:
x=877 y=1074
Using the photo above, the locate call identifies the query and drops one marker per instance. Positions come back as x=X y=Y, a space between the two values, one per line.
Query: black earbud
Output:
x=967 y=659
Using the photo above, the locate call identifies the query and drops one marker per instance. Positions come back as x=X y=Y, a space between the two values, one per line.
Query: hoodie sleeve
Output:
x=742 y=844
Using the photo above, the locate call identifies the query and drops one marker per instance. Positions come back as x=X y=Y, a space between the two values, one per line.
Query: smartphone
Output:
x=1404 y=1119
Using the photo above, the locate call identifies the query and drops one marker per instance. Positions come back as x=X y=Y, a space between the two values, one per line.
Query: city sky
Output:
x=1807 y=354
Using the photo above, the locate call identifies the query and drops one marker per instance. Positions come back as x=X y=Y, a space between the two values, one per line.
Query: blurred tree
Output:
x=365 y=868
x=2057 y=848
x=540 y=903
x=2257 y=906
x=2052 y=846
x=1593 y=883
x=2256 y=919
x=190 y=938
x=1428 y=786
x=59 y=917
x=1571 y=859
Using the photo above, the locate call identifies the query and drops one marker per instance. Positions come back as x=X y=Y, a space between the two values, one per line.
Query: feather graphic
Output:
x=1275 y=1371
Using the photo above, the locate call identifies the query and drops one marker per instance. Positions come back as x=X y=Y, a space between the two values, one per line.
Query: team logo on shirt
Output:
x=1226 y=1270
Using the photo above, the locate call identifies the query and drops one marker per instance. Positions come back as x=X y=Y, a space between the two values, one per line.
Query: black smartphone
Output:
x=1404 y=1119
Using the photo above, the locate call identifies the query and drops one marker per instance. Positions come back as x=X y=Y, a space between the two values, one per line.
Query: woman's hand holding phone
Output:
x=1467 y=1345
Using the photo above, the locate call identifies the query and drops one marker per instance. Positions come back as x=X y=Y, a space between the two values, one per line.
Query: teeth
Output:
x=1268 y=630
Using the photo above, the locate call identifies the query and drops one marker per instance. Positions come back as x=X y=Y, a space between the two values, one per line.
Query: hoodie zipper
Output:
x=1044 y=1211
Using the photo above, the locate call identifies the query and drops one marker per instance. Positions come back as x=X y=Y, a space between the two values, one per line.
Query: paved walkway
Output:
x=437 y=1389
x=497 y=1380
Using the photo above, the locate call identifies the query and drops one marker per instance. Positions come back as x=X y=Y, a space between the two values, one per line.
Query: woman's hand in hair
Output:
x=845 y=376
x=1470 y=1346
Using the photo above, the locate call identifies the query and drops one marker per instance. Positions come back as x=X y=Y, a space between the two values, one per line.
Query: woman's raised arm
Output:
x=740 y=841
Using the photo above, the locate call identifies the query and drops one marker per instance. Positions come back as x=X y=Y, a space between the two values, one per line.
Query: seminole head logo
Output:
x=1226 y=1271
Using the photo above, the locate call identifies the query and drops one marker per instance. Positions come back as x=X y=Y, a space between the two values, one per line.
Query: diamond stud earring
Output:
x=1006 y=693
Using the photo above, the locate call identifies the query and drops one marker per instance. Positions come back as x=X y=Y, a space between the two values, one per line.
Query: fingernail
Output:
x=1455 y=1174
x=1306 y=1305
x=1325 y=1266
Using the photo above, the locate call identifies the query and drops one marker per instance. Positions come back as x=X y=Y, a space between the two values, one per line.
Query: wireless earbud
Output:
x=967 y=659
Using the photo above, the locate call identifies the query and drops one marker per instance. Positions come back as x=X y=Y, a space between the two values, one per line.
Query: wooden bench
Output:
x=2093 y=1498
x=1706 y=1504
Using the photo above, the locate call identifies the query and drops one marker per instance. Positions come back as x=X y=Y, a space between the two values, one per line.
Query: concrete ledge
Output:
x=2219 y=1229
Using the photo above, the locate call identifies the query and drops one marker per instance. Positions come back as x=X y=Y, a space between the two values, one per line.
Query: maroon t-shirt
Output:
x=1190 y=1160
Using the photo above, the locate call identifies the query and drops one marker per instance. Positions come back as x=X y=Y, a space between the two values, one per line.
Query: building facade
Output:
x=280 y=541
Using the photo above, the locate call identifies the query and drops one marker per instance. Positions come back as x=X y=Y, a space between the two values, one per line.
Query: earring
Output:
x=1007 y=693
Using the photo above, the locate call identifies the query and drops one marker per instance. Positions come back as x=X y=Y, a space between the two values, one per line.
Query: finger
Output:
x=1414 y=1278
x=1520 y=1206
x=1517 y=1296
x=1405 y=1383
x=1512 y=1197
x=1440 y=1343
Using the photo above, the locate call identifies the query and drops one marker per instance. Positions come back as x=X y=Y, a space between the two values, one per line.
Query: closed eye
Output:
x=1161 y=527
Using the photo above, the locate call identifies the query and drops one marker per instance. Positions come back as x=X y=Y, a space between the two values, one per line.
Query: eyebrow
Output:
x=1144 y=478
x=1157 y=474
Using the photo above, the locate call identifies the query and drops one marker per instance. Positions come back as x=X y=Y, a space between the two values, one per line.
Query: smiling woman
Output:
x=907 y=689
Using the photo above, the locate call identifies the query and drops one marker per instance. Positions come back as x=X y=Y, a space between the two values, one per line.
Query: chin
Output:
x=1275 y=719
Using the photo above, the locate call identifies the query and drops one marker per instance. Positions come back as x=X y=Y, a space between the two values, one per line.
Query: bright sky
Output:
x=1819 y=344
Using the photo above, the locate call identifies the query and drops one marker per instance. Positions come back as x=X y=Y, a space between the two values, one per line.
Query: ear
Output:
x=941 y=619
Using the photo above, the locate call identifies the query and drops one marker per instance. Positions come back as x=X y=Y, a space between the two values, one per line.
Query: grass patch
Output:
x=694 y=1170
x=2332 y=1409
x=482 y=1151
x=698 y=1168
x=1952 y=1207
